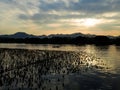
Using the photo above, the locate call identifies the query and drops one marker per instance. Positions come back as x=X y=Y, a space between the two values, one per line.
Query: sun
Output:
x=90 y=22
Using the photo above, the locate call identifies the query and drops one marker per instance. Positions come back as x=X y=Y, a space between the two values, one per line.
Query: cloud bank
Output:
x=60 y=16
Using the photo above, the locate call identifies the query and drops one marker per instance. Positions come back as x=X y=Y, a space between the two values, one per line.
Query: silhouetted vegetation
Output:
x=23 y=69
x=98 y=40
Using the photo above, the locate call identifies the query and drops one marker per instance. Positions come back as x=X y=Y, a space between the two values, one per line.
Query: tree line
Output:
x=98 y=40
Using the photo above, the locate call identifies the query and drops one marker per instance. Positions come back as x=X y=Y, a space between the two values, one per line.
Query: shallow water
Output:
x=59 y=67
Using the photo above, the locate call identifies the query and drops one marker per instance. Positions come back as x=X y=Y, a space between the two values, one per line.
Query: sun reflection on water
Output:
x=60 y=68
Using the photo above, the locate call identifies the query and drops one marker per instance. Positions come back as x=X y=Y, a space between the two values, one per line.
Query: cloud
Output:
x=53 y=14
x=88 y=6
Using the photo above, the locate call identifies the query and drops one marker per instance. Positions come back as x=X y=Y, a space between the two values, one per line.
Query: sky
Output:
x=38 y=17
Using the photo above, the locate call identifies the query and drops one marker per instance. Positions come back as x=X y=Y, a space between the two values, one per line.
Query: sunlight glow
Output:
x=90 y=22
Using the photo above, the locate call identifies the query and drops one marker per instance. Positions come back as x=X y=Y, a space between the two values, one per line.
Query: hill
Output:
x=75 y=38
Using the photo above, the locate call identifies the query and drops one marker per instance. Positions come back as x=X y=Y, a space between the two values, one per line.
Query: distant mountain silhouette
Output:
x=25 y=35
x=75 y=38
x=18 y=35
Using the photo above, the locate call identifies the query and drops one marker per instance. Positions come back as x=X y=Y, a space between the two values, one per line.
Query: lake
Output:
x=59 y=67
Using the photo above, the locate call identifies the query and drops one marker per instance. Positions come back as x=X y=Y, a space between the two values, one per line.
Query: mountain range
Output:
x=75 y=38
x=23 y=35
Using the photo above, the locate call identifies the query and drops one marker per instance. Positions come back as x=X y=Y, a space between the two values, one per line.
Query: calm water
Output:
x=59 y=67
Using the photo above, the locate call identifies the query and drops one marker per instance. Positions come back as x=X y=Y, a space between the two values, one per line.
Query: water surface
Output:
x=59 y=67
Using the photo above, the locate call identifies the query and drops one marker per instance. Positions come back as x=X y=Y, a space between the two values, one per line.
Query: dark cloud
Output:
x=43 y=12
x=40 y=18
x=52 y=6
x=7 y=1
x=90 y=8
x=87 y=6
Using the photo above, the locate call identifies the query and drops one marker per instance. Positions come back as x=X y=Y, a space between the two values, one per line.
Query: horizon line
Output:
x=62 y=34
